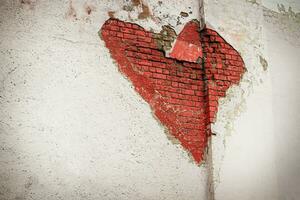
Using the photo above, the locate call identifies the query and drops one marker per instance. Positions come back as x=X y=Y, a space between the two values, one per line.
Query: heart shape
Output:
x=182 y=89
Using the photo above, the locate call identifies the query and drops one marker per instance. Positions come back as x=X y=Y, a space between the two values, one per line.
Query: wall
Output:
x=283 y=43
x=72 y=127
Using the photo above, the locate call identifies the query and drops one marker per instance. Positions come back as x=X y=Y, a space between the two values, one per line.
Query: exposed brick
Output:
x=183 y=94
x=140 y=33
x=145 y=62
x=129 y=36
x=126 y=30
x=144 y=39
x=160 y=76
x=114 y=28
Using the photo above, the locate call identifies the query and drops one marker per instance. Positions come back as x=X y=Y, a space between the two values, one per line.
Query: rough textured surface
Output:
x=183 y=95
x=161 y=13
x=282 y=25
x=71 y=126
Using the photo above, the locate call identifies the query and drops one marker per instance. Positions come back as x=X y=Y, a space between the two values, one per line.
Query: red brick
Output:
x=114 y=28
x=160 y=76
x=145 y=62
x=183 y=95
x=158 y=70
x=189 y=92
x=126 y=30
x=140 y=33
x=128 y=25
x=166 y=71
x=145 y=50
x=159 y=64
x=144 y=39
x=121 y=24
x=129 y=36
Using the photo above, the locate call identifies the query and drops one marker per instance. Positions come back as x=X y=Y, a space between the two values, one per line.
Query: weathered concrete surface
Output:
x=275 y=5
x=283 y=42
x=71 y=126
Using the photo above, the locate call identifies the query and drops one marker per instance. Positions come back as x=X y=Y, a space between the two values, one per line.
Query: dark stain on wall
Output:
x=71 y=13
x=139 y=3
x=89 y=8
x=184 y=14
x=145 y=13
x=28 y=3
x=263 y=63
x=136 y=2
x=111 y=14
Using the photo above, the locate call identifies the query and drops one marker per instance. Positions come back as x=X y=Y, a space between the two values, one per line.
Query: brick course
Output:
x=182 y=94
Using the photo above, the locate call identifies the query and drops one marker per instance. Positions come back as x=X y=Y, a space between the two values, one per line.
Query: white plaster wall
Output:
x=273 y=4
x=166 y=12
x=71 y=126
x=283 y=43
x=243 y=150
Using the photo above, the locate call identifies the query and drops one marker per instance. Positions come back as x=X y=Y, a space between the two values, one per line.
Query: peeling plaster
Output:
x=162 y=13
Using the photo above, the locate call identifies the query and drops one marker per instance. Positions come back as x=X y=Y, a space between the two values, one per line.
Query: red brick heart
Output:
x=183 y=89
